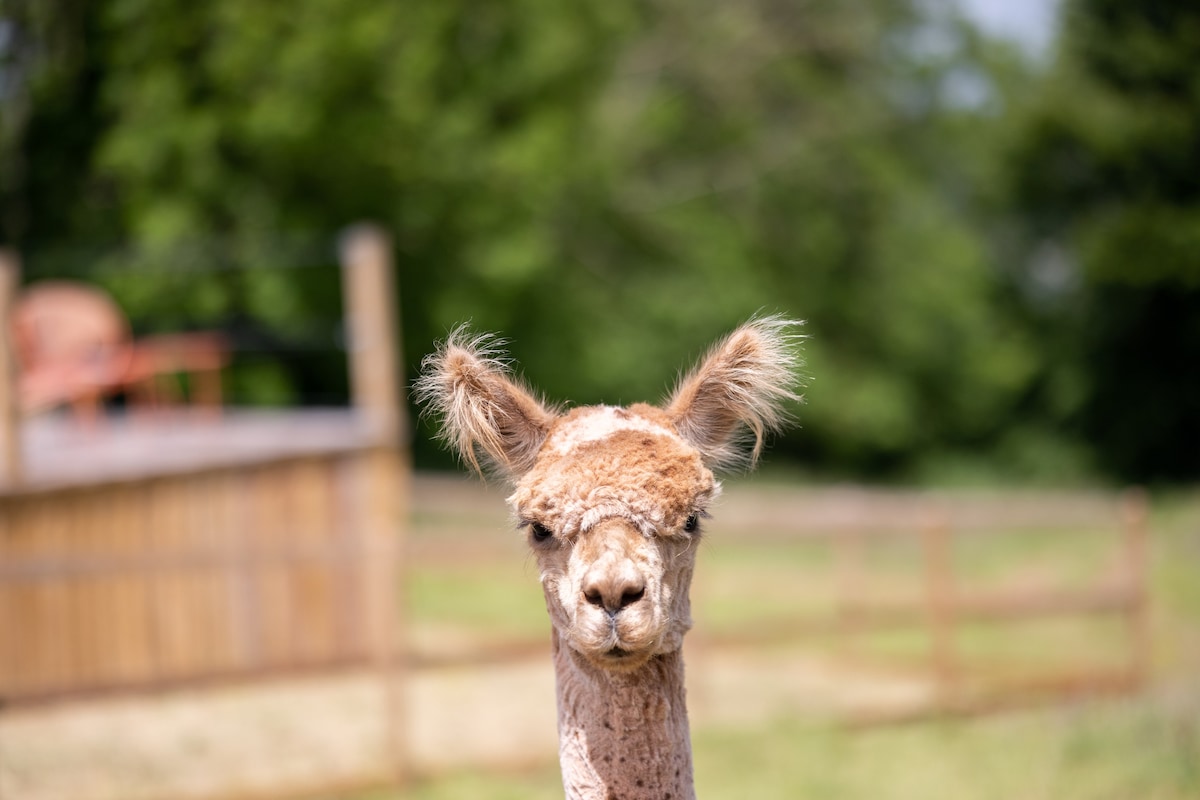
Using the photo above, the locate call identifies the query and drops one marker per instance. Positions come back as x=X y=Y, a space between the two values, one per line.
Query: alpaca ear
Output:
x=467 y=384
x=737 y=392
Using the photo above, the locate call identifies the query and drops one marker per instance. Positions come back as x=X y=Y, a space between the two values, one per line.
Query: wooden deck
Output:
x=162 y=551
x=58 y=453
x=165 y=551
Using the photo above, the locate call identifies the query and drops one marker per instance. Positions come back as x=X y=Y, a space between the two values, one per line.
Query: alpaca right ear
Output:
x=738 y=391
x=466 y=383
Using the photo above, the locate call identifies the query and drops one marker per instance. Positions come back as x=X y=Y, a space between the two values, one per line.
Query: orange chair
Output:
x=74 y=347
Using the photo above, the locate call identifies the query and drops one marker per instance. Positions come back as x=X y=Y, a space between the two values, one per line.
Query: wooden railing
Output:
x=945 y=606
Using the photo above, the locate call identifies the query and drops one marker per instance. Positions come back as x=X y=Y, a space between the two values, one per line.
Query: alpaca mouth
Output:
x=620 y=657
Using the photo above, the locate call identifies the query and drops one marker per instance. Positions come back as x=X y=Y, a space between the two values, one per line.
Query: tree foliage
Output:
x=1106 y=174
x=613 y=184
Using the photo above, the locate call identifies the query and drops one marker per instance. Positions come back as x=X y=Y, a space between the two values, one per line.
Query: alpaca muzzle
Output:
x=614 y=587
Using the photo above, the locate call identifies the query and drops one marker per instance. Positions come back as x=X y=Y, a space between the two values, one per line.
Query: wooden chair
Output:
x=74 y=347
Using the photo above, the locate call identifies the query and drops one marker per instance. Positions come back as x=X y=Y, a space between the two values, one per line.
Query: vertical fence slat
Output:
x=56 y=635
x=8 y=602
x=137 y=628
x=849 y=547
x=242 y=584
x=205 y=539
x=368 y=289
x=369 y=299
x=276 y=514
x=348 y=498
x=86 y=533
x=27 y=658
x=384 y=478
x=1135 y=529
x=10 y=405
x=939 y=595
x=222 y=522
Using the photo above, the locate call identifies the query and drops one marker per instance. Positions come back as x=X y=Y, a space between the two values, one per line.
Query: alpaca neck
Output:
x=623 y=734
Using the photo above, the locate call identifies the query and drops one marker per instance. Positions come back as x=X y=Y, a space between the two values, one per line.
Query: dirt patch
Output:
x=330 y=731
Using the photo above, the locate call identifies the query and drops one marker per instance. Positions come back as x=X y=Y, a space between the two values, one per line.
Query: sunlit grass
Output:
x=786 y=585
x=490 y=600
x=1141 y=747
x=1118 y=750
x=1114 y=749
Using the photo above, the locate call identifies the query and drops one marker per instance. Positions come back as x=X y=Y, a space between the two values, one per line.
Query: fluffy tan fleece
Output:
x=612 y=498
x=600 y=461
x=623 y=735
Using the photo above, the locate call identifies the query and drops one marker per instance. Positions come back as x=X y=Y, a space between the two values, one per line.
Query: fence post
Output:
x=10 y=404
x=372 y=340
x=939 y=598
x=851 y=585
x=373 y=348
x=1134 y=517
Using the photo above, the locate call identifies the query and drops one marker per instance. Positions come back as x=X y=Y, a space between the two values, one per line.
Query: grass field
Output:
x=1142 y=747
x=1134 y=750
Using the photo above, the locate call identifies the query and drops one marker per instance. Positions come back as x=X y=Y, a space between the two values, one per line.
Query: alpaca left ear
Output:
x=482 y=410
x=737 y=393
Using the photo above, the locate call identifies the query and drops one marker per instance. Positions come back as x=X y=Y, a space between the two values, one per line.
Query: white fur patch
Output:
x=600 y=423
x=647 y=523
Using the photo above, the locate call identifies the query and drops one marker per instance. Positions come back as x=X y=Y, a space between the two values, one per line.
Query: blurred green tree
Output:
x=1105 y=176
x=610 y=185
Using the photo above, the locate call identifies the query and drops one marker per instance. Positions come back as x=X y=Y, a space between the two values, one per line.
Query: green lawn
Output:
x=1114 y=750
x=1145 y=747
x=1123 y=750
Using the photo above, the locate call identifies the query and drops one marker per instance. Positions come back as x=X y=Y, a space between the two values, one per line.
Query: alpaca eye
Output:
x=540 y=532
x=693 y=522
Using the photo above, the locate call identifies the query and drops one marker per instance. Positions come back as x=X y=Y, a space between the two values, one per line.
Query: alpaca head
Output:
x=611 y=498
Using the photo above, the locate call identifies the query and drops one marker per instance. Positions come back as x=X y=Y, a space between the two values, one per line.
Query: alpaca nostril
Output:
x=614 y=595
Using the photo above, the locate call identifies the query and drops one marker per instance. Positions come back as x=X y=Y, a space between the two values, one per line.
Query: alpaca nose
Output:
x=614 y=589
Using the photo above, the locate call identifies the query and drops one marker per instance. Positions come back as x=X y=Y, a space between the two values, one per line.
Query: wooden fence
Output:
x=236 y=569
x=885 y=585
x=946 y=605
x=150 y=555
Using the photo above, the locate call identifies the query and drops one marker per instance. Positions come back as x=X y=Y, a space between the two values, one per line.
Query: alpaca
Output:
x=612 y=499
